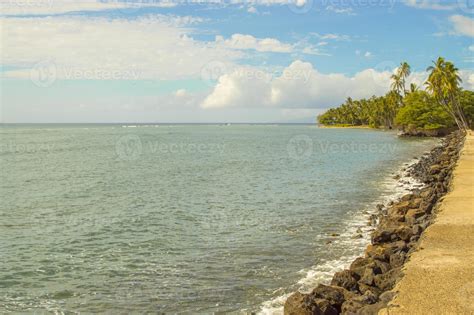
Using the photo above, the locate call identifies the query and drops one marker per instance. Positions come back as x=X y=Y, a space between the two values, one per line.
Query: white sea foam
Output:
x=348 y=247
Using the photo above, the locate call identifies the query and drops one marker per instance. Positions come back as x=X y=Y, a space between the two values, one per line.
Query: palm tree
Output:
x=399 y=78
x=404 y=72
x=444 y=85
x=414 y=88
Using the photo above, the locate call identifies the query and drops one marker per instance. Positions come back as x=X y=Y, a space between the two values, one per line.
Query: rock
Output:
x=356 y=236
x=412 y=215
x=397 y=259
x=417 y=229
x=381 y=266
x=368 y=277
x=299 y=304
x=407 y=197
x=371 y=309
x=386 y=281
x=326 y=307
x=380 y=236
x=404 y=233
x=399 y=208
x=359 y=264
x=367 y=298
x=387 y=296
x=334 y=295
x=435 y=169
x=364 y=288
x=346 y=279
x=351 y=307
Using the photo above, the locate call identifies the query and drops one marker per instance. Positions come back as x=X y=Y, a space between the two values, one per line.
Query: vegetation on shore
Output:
x=443 y=105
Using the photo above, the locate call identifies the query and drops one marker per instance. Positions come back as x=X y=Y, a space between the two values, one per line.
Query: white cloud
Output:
x=367 y=54
x=311 y=50
x=252 y=10
x=430 y=4
x=302 y=86
x=180 y=93
x=330 y=36
x=471 y=48
x=299 y=86
x=347 y=11
x=49 y=7
x=241 y=41
x=46 y=7
x=100 y=48
x=462 y=25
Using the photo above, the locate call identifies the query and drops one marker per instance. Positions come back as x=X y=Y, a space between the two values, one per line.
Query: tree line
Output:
x=442 y=104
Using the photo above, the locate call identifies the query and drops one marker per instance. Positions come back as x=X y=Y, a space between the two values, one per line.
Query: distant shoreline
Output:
x=346 y=127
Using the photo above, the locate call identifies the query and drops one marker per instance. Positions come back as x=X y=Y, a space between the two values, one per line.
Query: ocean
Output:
x=194 y=219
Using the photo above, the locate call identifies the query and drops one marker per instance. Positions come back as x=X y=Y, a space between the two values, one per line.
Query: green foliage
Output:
x=421 y=111
x=374 y=112
x=444 y=105
x=466 y=99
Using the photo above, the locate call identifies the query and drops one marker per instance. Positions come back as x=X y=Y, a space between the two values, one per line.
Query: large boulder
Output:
x=333 y=294
x=371 y=309
x=413 y=215
x=346 y=279
x=386 y=281
x=299 y=304
x=359 y=264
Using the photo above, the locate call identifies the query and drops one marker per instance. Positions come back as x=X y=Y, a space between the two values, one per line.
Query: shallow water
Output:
x=183 y=218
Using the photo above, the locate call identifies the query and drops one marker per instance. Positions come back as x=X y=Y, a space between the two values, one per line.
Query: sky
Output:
x=202 y=61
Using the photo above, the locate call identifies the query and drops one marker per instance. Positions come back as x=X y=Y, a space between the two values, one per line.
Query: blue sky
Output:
x=209 y=61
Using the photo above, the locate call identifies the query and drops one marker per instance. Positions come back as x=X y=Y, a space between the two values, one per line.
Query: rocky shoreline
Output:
x=365 y=287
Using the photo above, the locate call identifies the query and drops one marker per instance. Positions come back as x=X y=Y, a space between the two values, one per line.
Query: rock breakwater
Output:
x=365 y=287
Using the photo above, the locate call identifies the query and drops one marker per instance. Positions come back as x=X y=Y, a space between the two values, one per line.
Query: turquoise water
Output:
x=184 y=218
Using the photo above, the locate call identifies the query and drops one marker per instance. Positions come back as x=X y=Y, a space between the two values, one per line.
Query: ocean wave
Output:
x=349 y=248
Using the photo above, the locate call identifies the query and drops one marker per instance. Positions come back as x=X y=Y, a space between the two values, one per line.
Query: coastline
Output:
x=358 y=228
x=345 y=127
x=365 y=287
x=446 y=250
